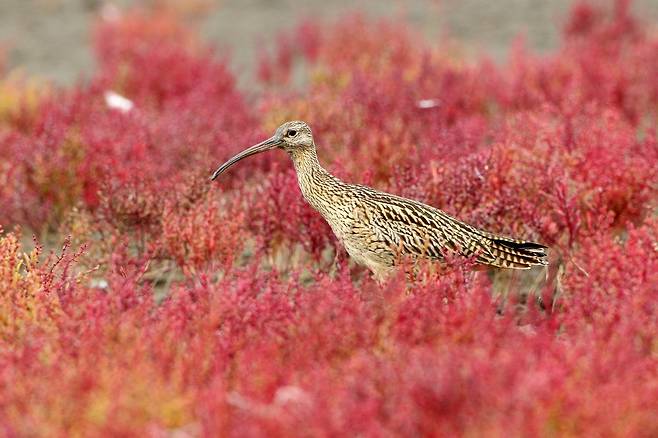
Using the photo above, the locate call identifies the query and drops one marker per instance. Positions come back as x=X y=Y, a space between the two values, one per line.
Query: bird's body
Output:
x=376 y=228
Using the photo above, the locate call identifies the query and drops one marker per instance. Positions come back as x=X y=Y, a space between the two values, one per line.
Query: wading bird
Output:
x=376 y=228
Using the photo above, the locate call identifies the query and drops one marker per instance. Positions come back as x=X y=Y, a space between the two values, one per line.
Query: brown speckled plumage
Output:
x=377 y=227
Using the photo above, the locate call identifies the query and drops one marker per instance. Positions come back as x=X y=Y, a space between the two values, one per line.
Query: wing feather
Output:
x=426 y=231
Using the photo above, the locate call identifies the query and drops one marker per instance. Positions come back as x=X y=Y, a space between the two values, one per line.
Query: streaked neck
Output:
x=313 y=179
x=306 y=161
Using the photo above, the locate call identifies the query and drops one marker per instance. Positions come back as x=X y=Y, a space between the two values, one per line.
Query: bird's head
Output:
x=293 y=137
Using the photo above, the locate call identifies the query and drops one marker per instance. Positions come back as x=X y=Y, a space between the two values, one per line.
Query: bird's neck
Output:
x=314 y=181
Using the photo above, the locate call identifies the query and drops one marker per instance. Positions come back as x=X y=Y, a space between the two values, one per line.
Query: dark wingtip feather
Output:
x=522 y=246
x=531 y=253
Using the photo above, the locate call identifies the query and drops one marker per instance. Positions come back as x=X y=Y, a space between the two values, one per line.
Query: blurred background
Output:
x=51 y=38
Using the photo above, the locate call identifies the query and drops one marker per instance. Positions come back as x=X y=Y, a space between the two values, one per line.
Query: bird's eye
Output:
x=292 y=133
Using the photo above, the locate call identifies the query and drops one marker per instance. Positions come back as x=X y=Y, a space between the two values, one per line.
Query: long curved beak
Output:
x=270 y=143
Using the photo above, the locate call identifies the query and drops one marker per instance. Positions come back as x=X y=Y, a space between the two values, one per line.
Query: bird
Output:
x=376 y=228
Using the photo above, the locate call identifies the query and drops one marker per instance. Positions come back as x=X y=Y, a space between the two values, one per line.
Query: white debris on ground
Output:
x=291 y=394
x=98 y=283
x=118 y=102
x=428 y=103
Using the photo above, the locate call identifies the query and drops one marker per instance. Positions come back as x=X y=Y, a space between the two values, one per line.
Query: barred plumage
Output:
x=377 y=227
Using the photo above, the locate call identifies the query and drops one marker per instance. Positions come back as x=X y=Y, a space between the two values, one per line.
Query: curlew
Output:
x=376 y=228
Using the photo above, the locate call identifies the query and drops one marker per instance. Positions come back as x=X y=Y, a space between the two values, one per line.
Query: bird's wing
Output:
x=421 y=230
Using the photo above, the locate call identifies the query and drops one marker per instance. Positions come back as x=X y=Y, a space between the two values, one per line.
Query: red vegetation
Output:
x=181 y=306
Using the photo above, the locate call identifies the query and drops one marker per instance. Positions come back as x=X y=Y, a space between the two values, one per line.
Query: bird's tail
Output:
x=506 y=252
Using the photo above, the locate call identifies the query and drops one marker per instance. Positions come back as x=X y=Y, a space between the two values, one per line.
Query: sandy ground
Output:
x=50 y=38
